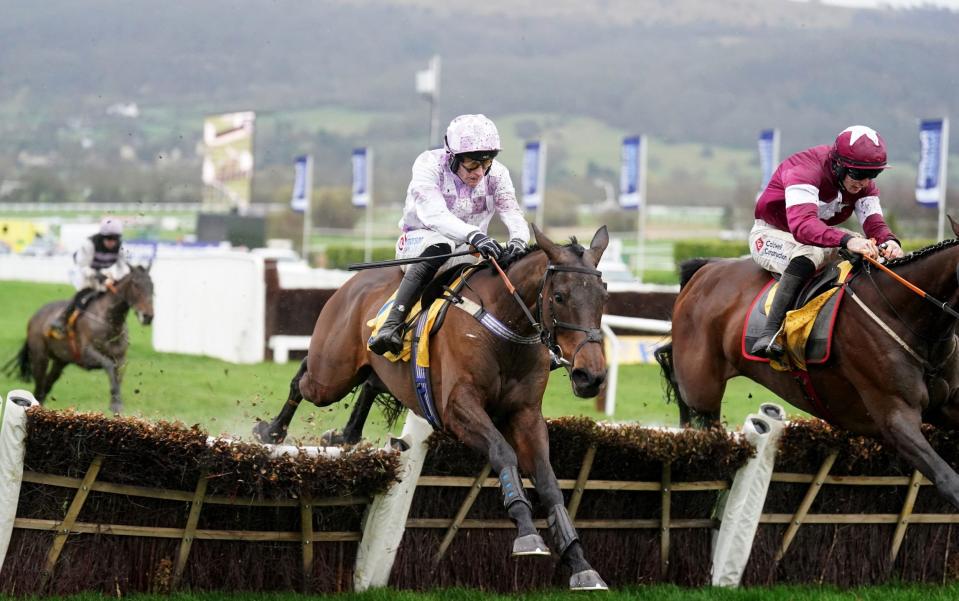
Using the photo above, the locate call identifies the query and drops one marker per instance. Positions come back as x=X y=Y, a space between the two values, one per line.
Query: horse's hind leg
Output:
x=353 y=430
x=275 y=431
x=687 y=415
x=38 y=368
x=527 y=430
x=53 y=375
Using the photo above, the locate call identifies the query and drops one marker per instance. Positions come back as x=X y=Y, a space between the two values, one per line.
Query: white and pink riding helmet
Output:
x=111 y=226
x=471 y=136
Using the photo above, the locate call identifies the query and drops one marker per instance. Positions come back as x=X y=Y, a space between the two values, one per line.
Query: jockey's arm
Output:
x=430 y=205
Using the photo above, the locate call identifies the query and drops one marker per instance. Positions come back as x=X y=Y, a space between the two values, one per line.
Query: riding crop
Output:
x=922 y=293
x=393 y=262
x=512 y=290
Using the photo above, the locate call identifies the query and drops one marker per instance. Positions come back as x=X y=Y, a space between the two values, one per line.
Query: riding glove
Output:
x=515 y=247
x=486 y=246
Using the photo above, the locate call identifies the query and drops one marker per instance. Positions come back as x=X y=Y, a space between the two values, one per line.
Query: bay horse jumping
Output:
x=488 y=384
x=99 y=339
x=872 y=384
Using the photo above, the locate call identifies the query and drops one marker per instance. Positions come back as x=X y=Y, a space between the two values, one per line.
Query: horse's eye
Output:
x=558 y=297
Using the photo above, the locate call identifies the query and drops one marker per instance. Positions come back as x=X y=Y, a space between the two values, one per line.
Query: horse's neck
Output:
x=526 y=276
x=113 y=309
x=938 y=282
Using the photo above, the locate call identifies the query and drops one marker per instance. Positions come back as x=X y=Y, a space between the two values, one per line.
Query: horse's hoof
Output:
x=332 y=438
x=265 y=435
x=587 y=580
x=530 y=544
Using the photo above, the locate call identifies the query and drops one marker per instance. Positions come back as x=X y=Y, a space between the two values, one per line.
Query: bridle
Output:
x=547 y=334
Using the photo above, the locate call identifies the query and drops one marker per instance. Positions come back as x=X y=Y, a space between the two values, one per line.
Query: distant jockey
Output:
x=452 y=197
x=98 y=263
x=810 y=193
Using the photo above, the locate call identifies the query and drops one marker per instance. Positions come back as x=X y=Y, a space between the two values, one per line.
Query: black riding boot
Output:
x=390 y=336
x=58 y=329
x=768 y=344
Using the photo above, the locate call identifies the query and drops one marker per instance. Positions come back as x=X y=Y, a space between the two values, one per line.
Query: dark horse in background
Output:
x=871 y=385
x=99 y=339
x=488 y=390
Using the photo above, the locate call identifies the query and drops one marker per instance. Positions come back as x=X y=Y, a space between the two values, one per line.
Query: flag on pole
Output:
x=933 y=151
x=362 y=172
x=768 y=154
x=302 y=183
x=630 y=173
x=534 y=163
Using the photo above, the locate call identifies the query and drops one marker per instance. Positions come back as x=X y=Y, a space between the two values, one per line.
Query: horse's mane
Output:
x=573 y=245
x=922 y=252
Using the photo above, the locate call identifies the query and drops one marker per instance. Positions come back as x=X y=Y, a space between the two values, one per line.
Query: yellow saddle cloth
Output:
x=423 y=349
x=799 y=324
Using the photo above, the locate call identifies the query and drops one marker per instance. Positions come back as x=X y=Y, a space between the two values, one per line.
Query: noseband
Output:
x=547 y=334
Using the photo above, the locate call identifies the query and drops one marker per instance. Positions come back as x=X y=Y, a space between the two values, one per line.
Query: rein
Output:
x=943 y=306
x=547 y=336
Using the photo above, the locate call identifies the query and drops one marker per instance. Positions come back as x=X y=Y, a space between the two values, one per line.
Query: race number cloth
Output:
x=808 y=328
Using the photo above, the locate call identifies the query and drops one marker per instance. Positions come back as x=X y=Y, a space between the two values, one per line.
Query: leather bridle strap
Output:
x=549 y=336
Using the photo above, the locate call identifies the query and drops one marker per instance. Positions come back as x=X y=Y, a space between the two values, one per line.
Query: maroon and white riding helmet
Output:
x=860 y=147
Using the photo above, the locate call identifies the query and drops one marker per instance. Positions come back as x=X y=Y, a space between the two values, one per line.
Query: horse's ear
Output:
x=551 y=249
x=597 y=246
x=955 y=226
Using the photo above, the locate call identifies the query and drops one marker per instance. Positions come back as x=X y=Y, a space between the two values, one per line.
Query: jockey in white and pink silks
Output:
x=809 y=194
x=453 y=194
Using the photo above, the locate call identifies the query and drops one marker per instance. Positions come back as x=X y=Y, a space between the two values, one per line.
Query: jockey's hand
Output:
x=486 y=246
x=863 y=246
x=514 y=248
x=890 y=249
x=101 y=277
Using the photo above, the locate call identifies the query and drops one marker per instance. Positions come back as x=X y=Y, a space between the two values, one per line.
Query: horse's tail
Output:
x=689 y=267
x=664 y=356
x=19 y=365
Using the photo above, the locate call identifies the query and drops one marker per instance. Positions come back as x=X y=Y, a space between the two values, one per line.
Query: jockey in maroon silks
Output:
x=811 y=193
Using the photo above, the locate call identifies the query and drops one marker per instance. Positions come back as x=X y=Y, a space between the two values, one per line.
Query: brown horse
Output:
x=99 y=340
x=872 y=384
x=487 y=384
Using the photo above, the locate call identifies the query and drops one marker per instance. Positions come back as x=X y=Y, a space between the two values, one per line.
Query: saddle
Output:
x=808 y=325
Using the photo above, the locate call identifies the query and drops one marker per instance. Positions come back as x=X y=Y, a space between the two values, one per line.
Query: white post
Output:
x=307 y=208
x=13 y=434
x=368 y=235
x=943 y=160
x=612 y=364
x=746 y=497
x=385 y=519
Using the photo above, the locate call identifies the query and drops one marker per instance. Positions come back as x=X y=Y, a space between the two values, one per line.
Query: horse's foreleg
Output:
x=91 y=355
x=275 y=431
x=529 y=435
x=902 y=429
x=467 y=419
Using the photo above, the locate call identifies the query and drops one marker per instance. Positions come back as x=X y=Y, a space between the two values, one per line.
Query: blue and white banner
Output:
x=933 y=150
x=362 y=176
x=302 y=183
x=534 y=167
x=631 y=173
x=768 y=154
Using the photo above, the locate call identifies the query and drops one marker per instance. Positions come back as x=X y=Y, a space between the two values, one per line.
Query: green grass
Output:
x=227 y=398
x=647 y=593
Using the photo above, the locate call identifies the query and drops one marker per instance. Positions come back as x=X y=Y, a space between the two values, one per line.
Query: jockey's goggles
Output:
x=470 y=165
x=861 y=174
